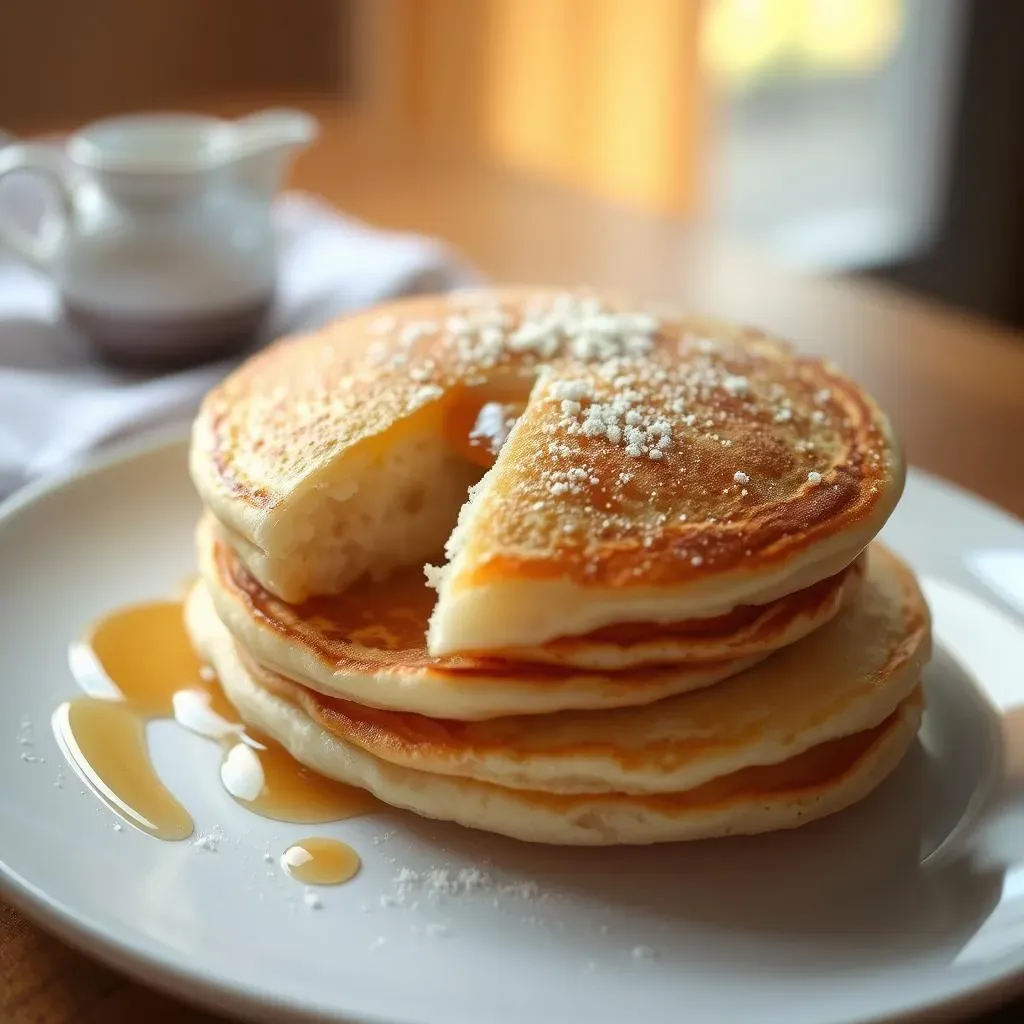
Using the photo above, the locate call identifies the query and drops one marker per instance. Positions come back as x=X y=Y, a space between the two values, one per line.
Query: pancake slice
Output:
x=665 y=489
x=821 y=781
x=844 y=678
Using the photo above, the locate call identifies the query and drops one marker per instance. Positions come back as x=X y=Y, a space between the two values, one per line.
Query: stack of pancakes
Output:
x=658 y=613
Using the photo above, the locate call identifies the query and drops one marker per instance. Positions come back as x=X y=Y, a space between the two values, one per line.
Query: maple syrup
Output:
x=137 y=665
x=321 y=861
x=263 y=777
x=478 y=420
x=105 y=742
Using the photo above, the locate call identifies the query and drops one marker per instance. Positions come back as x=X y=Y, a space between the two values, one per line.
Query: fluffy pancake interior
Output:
x=389 y=503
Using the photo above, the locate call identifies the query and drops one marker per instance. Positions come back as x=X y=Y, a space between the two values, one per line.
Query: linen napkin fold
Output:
x=58 y=405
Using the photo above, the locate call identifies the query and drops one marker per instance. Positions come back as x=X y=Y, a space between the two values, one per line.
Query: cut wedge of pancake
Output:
x=662 y=469
x=821 y=781
x=775 y=474
x=368 y=645
x=845 y=678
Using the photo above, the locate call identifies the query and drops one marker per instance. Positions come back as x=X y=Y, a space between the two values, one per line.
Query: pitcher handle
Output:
x=40 y=246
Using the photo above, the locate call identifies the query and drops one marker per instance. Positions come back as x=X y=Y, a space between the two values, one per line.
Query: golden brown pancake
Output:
x=820 y=781
x=846 y=677
x=663 y=468
x=368 y=644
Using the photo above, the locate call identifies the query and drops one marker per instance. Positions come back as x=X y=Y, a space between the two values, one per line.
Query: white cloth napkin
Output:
x=57 y=404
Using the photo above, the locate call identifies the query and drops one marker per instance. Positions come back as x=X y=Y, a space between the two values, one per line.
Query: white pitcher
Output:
x=158 y=232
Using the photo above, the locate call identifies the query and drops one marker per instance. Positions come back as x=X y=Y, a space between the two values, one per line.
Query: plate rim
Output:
x=200 y=988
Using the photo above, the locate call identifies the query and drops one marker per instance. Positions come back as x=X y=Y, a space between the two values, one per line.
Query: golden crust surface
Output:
x=655 y=451
x=732 y=488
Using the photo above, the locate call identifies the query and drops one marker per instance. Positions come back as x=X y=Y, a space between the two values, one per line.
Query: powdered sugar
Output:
x=438 y=882
x=736 y=385
x=209 y=841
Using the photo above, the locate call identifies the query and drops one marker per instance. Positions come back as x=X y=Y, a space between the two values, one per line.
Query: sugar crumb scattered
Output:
x=26 y=735
x=209 y=841
x=438 y=882
x=736 y=385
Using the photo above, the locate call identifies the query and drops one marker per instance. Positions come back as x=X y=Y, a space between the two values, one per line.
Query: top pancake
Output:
x=664 y=468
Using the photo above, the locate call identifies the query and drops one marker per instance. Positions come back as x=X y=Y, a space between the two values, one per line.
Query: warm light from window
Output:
x=748 y=39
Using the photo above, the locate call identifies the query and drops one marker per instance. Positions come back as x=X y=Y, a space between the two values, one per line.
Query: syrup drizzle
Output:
x=137 y=665
x=479 y=419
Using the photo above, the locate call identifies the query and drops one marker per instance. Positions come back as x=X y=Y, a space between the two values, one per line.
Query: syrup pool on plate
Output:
x=321 y=861
x=137 y=665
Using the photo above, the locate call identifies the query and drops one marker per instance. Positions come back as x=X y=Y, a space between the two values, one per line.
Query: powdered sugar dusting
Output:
x=209 y=841
x=438 y=882
x=26 y=734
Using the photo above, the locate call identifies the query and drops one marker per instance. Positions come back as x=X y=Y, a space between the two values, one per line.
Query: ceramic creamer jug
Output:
x=158 y=232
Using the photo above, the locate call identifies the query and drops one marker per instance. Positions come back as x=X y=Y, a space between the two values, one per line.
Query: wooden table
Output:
x=954 y=386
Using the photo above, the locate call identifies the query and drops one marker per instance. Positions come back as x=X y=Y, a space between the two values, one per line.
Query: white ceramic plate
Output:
x=910 y=901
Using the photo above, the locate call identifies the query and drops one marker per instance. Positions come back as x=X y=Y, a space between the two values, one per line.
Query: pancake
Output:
x=749 y=631
x=662 y=469
x=368 y=645
x=845 y=678
x=821 y=781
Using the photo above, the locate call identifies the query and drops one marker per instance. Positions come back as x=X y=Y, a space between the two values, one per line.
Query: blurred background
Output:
x=876 y=137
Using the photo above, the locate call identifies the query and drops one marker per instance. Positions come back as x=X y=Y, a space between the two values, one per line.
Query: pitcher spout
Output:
x=266 y=144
